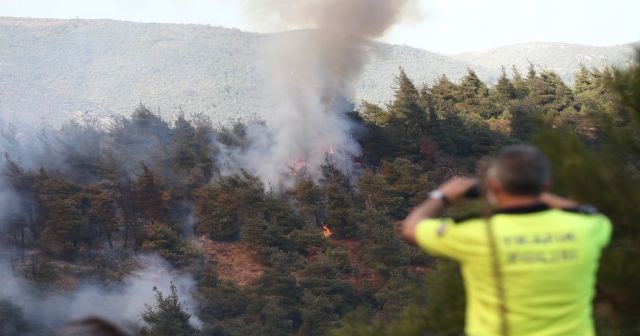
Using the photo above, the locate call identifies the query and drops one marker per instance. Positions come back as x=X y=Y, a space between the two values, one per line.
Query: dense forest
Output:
x=323 y=257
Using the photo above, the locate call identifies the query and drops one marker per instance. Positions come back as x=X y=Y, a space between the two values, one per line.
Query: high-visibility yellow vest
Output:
x=527 y=271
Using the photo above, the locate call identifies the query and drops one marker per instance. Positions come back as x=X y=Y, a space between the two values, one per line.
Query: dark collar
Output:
x=523 y=210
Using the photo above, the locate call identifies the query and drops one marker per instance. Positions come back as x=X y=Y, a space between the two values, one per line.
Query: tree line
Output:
x=95 y=196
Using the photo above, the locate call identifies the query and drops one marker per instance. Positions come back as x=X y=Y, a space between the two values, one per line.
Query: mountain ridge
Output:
x=51 y=69
x=560 y=57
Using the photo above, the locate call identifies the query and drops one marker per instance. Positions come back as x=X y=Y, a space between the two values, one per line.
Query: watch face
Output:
x=436 y=194
x=440 y=196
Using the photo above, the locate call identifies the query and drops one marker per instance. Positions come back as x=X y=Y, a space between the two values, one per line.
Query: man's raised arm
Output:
x=434 y=206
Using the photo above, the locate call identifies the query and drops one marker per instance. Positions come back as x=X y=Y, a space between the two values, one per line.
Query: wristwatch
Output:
x=440 y=196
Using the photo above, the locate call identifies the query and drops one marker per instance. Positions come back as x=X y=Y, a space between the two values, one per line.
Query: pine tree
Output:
x=561 y=94
x=504 y=90
x=168 y=318
x=519 y=84
x=205 y=151
x=277 y=321
x=408 y=179
x=223 y=207
x=338 y=209
x=22 y=185
x=472 y=89
x=376 y=194
x=144 y=137
x=445 y=93
x=376 y=141
x=308 y=199
x=150 y=197
x=583 y=81
x=65 y=232
x=523 y=117
x=182 y=146
x=408 y=120
x=101 y=212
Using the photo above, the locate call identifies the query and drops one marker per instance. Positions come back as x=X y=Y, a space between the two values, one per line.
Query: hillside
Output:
x=50 y=68
x=100 y=221
x=562 y=58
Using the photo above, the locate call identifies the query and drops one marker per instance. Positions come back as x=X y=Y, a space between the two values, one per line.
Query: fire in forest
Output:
x=331 y=150
x=299 y=167
x=326 y=231
x=310 y=86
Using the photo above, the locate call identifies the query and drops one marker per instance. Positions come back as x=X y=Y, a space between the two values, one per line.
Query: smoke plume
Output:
x=312 y=84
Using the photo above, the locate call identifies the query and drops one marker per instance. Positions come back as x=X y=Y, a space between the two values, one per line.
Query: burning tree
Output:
x=338 y=200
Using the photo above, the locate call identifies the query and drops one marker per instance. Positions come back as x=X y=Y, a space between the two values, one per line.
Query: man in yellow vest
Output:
x=530 y=267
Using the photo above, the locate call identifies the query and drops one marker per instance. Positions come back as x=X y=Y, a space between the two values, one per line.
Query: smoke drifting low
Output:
x=312 y=84
x=123 y=304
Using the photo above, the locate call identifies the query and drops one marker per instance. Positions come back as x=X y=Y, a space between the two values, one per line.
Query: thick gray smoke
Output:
x=311 y=84
x=123 y=304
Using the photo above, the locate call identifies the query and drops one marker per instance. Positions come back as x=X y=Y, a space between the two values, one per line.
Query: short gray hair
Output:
x=523 y=170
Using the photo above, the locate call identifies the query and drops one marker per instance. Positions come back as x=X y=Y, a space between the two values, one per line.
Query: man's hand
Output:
x=453 y=190
x=456 y=188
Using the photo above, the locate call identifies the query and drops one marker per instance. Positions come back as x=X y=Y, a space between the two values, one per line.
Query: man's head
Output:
x=520 y=171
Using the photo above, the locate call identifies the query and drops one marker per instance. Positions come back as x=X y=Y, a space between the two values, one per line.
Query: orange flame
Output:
x=326 y=231
x=298 y=167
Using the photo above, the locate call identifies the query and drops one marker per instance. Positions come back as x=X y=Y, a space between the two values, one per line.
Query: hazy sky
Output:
x=447 y=26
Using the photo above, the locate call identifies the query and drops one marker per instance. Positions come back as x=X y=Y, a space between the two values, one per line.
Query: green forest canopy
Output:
x=99 y=196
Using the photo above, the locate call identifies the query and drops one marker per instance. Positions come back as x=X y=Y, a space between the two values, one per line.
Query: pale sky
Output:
x=447 y=26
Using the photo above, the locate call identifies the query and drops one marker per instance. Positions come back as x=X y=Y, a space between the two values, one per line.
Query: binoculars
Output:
x=474 y=192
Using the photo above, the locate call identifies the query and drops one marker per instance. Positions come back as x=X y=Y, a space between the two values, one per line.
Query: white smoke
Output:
x=311 y=85
x=122 y=304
